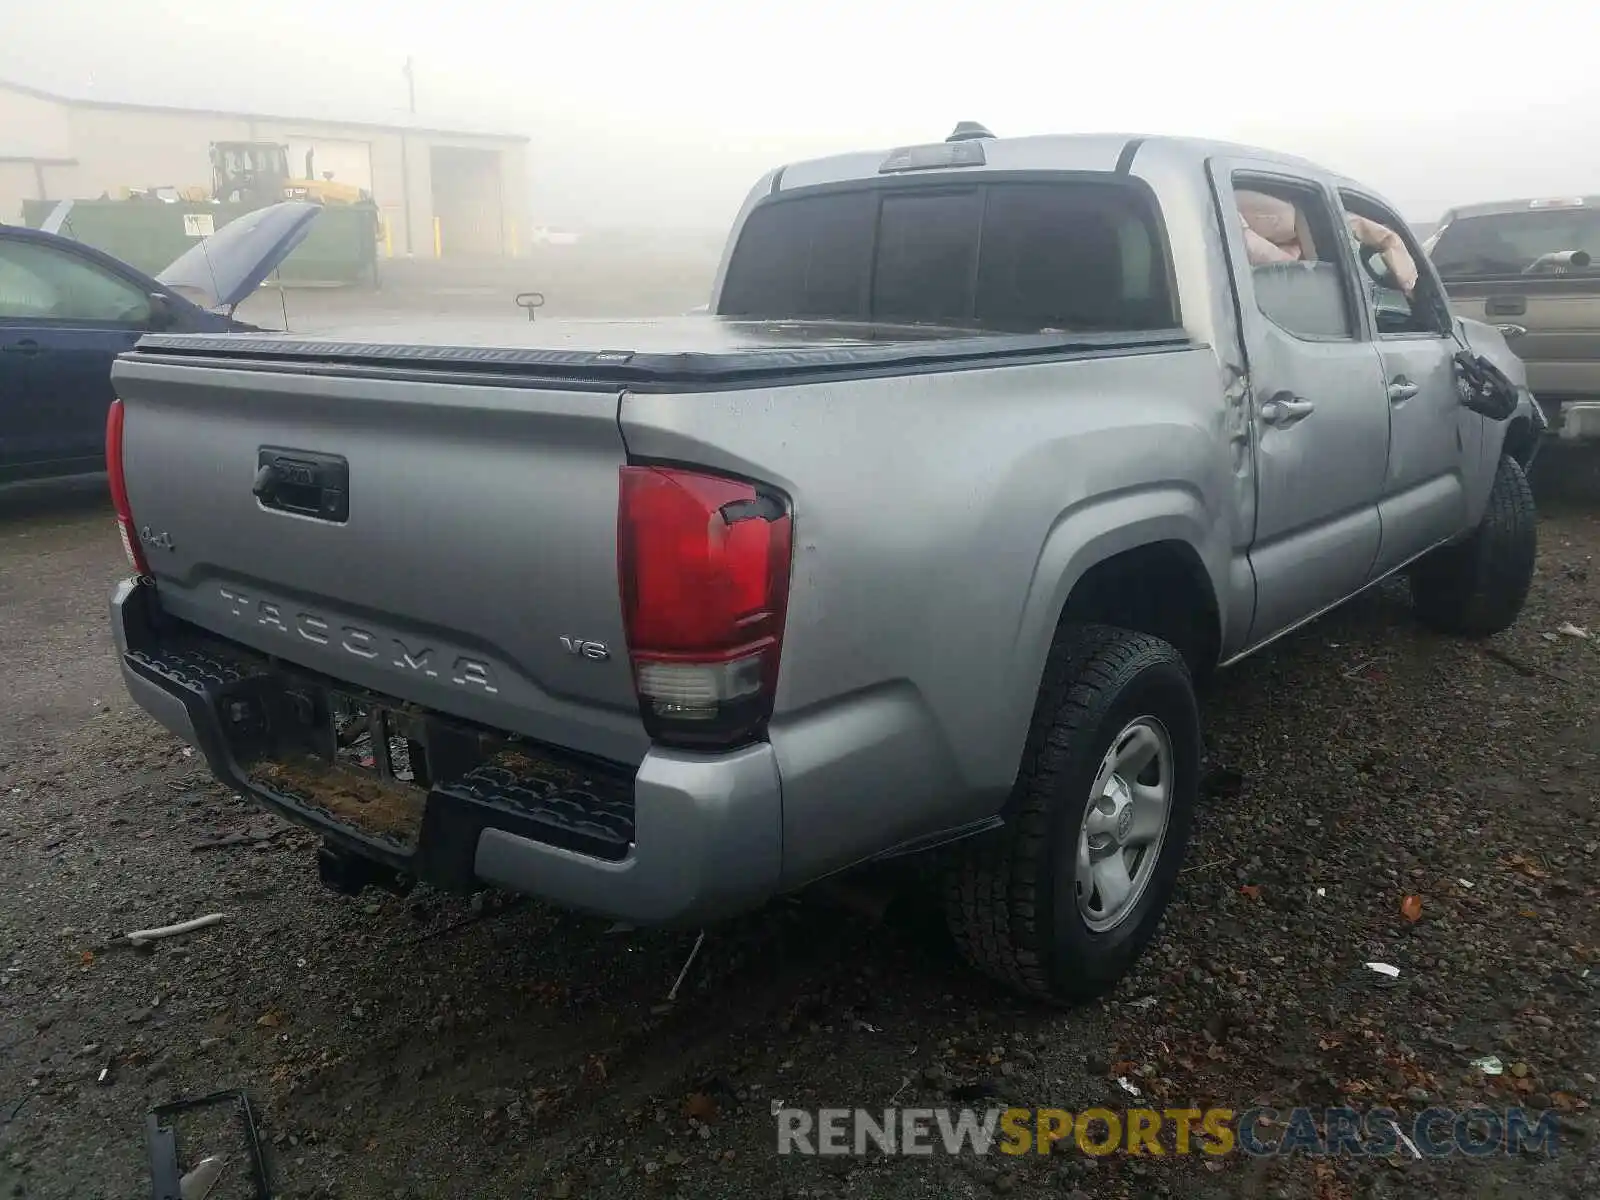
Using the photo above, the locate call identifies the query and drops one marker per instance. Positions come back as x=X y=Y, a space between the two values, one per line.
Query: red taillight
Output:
x=704 y=567
x=119 y=490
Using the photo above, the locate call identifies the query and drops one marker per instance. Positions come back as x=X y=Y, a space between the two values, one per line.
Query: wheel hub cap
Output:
x=1124 y=824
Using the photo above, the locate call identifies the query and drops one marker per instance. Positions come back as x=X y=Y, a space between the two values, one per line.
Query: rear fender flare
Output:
x=1088 y=534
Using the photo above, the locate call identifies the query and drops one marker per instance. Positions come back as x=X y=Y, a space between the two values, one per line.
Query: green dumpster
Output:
x=341 y=248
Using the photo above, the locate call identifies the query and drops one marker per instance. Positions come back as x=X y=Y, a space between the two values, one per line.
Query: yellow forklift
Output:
x=257 y=173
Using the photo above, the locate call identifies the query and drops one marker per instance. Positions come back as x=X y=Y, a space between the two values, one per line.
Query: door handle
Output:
x=1512 y=331
x=1401 y=390
x=1284 y=411
x=25 y=346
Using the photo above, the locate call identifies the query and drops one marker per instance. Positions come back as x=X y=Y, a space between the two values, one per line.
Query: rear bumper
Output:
x=1579 y=421
x=1567 y=418
x=684 y=838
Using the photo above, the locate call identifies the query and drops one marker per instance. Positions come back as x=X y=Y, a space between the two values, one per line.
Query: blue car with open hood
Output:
x=67 y=310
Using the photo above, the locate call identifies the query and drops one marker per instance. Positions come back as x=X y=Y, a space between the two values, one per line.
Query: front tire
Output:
x=1062 y=900
x=1477 y=587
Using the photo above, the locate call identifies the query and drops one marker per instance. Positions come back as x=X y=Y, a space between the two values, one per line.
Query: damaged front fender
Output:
x=1524 y=426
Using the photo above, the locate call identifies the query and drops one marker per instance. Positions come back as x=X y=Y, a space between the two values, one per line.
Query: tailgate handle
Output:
x=303 y=482
x=1505 y=306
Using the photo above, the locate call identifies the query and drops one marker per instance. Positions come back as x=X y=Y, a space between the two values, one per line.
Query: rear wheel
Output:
x=1060 y=902
x=1477 y=587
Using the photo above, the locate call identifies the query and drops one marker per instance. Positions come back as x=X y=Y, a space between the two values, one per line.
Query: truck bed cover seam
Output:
x=617 y=369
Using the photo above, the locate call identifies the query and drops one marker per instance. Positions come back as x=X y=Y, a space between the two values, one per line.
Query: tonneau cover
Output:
x=680 y=349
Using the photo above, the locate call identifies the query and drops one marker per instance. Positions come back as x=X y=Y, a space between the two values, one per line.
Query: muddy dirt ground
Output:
x=438 y=1046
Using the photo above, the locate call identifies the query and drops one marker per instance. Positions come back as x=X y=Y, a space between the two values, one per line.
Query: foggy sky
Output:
x=663 y=115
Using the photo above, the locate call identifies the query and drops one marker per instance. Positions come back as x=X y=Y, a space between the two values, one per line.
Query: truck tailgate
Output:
x=1553 y=325
x=448 y=543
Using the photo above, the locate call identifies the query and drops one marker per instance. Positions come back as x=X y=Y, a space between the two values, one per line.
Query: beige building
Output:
x=460 y=193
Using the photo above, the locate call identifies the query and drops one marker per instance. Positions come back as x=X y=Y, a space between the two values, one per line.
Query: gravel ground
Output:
x=452 y=1046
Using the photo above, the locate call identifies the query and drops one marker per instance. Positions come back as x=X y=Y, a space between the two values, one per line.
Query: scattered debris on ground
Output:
x=1390 y=901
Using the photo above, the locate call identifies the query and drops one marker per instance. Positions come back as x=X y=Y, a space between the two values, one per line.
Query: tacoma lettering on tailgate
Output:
x=420 y=659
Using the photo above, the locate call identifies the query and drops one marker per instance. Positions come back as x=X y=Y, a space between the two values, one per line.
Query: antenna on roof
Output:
x=966 y=131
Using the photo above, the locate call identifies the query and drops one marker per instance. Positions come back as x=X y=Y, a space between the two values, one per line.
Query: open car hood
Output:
x=221 y=270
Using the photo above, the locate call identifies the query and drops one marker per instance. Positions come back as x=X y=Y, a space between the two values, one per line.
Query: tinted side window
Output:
x=1019 y=256
x=803 y=258
x=22 y=292
x=49 y=284
x=46 y=283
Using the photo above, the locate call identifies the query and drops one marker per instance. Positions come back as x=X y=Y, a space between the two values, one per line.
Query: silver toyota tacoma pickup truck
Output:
x=918 y=540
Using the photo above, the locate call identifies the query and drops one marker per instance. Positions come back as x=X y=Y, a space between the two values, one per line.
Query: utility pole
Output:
x=405 y=159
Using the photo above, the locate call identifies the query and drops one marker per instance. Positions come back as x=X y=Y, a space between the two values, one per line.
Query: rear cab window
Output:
x=1553 y=238
x=1068 y=253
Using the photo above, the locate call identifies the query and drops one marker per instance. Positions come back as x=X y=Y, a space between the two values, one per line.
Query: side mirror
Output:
x=162 y=314
x=1484 y=388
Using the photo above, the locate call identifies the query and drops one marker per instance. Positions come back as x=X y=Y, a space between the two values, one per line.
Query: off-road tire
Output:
x=1477 y=587
x=1010 y=899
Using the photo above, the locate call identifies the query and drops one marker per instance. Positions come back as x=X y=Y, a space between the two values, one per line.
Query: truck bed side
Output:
x=941 y=522
x=944 y=507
